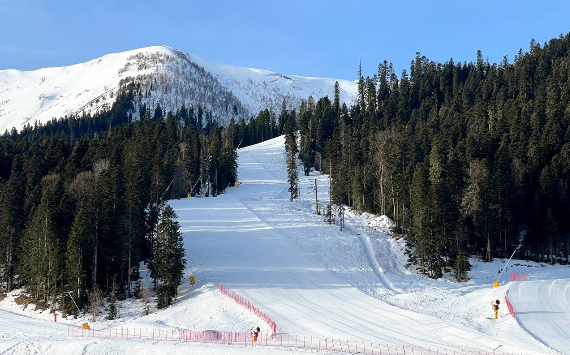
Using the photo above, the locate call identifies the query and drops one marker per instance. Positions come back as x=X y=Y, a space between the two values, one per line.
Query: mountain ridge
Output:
x=160 y=75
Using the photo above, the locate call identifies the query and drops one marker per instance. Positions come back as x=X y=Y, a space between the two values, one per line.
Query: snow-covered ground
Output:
x=165 y=75
x=313 y=280
x=543 y=309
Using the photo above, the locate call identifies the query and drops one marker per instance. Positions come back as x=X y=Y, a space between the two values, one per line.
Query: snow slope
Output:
x=271 y=252
x=543 y=309
x=307 y=275
x=259 y=89
x=165 y=75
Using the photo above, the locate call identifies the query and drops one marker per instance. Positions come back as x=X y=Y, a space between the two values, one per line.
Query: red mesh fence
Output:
x=510 y=306
x=515 y=276
x=269 y=340
x=245 y=303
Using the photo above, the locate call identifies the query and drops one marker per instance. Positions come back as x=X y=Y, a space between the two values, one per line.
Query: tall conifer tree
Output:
x=170 y=261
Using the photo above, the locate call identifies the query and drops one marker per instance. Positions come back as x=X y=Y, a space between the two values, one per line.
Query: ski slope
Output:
x=308 y=276
x=254 y=238
x=543 y=309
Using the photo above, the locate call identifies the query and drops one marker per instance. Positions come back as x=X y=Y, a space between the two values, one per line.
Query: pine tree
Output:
x=474 y=202
x=292 y=176
x=12 y=220
x=551 y=234
x=361 y=89
x=462 y=266
x=169 y=261
x=306 y=152
x=283 y=117
x=42 y=243
x=291 y=150
x=132 y=224
x=336 y=102
x=421 y=207
x=81 y=237
x=113 y=312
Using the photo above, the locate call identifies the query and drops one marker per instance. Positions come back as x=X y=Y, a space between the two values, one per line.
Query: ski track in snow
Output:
x=369 y=251
x=542 y=308
x=298 y=291
x=308 y=276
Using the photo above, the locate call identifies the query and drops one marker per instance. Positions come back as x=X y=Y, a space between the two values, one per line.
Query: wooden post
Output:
x=316 y=197
x=330 y=192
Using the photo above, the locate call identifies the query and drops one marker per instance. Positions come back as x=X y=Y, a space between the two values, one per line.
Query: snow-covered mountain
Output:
x=160 y=74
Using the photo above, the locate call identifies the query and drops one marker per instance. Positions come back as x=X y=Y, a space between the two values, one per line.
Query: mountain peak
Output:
x=161 y=75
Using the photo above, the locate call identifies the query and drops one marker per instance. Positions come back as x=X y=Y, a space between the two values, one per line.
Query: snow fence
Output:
x=516 y=276
x=265 y=340
x=509 y=306
x=245 y=303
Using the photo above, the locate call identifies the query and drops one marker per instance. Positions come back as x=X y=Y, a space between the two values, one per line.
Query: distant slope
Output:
x=160 y=74
x=542 y=308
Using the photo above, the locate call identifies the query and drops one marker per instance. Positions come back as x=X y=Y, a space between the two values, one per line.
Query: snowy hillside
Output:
x=164 y=75
x=315 y=281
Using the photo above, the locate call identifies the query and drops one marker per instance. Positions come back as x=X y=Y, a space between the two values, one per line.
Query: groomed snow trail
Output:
x=264 y=264
x=16 y=329
x=312 y=279
x=543 y=309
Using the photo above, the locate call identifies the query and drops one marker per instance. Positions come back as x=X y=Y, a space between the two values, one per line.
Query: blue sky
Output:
x=304 y=37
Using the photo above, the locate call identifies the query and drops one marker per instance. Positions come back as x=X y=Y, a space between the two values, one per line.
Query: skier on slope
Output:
x=495 y=305
x=255 y=333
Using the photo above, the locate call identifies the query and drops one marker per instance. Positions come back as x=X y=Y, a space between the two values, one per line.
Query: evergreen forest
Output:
x=466 y=158
x=82 y=200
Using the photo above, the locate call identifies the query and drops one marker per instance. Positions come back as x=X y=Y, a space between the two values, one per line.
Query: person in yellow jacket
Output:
x=255 y=333
x=495 y=305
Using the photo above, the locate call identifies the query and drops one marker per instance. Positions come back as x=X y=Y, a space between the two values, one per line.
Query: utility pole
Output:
x=196 y=271
x=496 y=283
x=76 y=306
x=316 y=197
x=330 y=192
